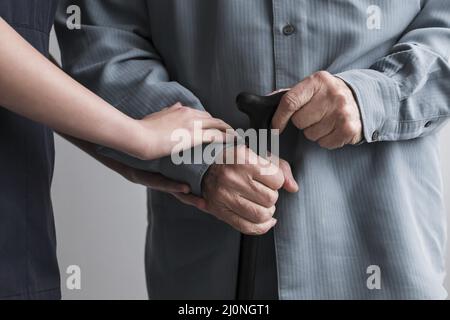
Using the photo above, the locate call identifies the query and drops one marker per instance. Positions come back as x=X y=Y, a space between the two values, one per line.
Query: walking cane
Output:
x=260 y=110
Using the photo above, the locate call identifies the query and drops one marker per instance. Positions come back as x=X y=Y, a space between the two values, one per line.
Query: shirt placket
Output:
x=289 y=32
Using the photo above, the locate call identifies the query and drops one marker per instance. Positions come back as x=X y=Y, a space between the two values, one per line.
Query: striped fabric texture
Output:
x=368 y=222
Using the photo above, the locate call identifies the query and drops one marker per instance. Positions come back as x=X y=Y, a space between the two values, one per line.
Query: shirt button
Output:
x=376 y=136
x=428 y=124
x=288 y=30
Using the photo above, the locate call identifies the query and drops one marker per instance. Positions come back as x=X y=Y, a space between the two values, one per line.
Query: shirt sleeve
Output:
x=113 y=55
x=405 y=95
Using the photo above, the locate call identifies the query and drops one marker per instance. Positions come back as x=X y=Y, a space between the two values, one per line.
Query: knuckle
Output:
x=297 y=122
x=276 y=178
x=291 y=100
x=273 y=210
x=279 y=179
x=263 y=216
x=309 y=134
x=340 y=99
x=226 y=173
x=349 y=129
x=258 y=230
x=232 y=178
x=242 y=205
x=254 y=214
x=283 y=163
x=357 y=137
x=322 y=75
x=343 y=114
x=241 y=226
x=259 y=215
x=312 y=78
x=188 y=114
x=247 y=231
x=273 y=197
x=300 y=122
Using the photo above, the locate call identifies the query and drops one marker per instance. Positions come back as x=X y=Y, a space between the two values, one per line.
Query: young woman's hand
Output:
x=64 y=105
x=178 y=128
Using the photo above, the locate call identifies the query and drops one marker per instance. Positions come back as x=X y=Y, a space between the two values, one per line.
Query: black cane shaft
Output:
x=260 y=110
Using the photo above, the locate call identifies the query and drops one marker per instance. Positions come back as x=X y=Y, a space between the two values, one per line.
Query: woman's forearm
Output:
x=33 y=87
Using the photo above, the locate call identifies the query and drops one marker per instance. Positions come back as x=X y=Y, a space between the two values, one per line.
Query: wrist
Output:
x=210 y=179
x=139 y=142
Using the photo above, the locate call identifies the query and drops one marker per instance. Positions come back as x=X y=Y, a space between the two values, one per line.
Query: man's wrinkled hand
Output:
x=323 y=106
x=240 y=195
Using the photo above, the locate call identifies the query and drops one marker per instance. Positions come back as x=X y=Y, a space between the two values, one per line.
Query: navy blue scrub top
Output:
x=28 y=265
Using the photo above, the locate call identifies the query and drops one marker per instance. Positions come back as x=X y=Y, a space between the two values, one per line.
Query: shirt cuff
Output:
x=191 y=174
x=377 y=96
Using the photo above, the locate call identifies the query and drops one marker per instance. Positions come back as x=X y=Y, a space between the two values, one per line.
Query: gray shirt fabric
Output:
x=375 y=204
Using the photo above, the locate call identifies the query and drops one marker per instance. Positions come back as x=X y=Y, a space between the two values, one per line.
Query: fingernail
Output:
x=292 y=181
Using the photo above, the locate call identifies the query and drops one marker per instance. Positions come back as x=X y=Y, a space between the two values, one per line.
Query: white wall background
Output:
x=101 y=223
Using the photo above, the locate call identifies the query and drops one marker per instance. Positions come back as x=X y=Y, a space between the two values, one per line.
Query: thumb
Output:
x=290 y=185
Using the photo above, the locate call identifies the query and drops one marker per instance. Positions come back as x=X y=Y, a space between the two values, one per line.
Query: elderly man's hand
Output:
x=241 y=195
x=324 y=107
